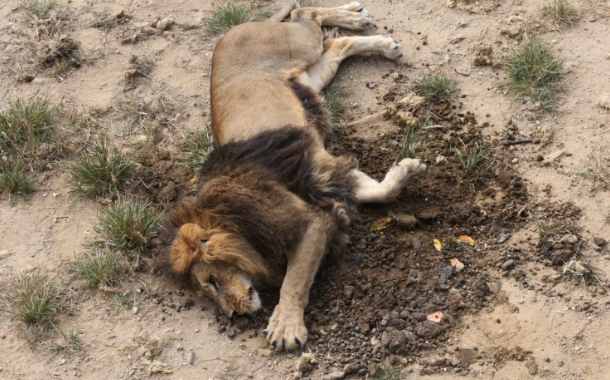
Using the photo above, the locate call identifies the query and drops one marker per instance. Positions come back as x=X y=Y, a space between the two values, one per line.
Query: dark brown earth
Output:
x=389 y=280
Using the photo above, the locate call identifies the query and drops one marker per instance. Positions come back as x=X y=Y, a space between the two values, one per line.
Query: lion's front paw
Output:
x=286 y=330
x=413 y=168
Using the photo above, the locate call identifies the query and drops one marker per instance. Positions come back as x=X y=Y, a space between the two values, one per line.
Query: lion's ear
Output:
x=185 y=248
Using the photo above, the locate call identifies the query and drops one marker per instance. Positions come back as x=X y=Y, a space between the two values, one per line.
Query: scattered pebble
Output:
x=135 y=310
x=191 y=357
x=4 y=254
x=111 y=336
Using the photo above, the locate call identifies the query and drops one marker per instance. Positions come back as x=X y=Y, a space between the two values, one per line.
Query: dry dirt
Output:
x=497 y=324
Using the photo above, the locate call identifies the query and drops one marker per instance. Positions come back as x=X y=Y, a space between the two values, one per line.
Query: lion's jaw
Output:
x=226 y=285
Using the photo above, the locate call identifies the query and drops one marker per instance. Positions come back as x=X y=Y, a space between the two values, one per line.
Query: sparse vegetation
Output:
x=597 y=168
x=38 y=8
x=477 y=157
x=386 y=372
x=334 y=104
x=587 y=274
x=135 y=112
x=227 y=16
x=98 y=267
x=128 y=224
x=196 y=146
x=14 y=180
x=34 y=301
x=100 y=171
x=122 y=300
x=71 y=343
x=552 y=228
x=534 y=74
x=412 y=142
x=560 y=12
x=435 y=87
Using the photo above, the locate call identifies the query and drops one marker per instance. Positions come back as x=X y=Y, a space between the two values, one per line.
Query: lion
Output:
x=271 y=201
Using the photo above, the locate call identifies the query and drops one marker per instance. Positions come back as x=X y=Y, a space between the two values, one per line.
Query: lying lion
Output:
x=271 y=200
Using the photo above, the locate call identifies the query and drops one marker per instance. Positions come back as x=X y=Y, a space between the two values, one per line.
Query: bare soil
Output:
x=511 y=313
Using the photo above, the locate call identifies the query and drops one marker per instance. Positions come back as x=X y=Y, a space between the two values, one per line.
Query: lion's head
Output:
x=221 y=266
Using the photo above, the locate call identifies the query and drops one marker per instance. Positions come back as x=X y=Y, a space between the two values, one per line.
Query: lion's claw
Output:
x=286 y=330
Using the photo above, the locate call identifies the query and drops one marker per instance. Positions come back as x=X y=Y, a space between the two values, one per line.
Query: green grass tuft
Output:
x=478 y=157
x=334 y=103
x=197 y=146
x=100 y=171
x=14 y=180
x=128 y=224
x=534 y=74
x=560 y=12
x=386 y=372
x=38 y=8
x=413 y=141
x=34 y=300
x=96 y=268
x=227 y=16
x=25 y=124
x=71 y=343
x=597 y=168
x=435 y=87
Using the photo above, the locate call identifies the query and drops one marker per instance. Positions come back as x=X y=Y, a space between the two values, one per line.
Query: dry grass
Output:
x=435 y=87
x=560 y=12
x=597 y=168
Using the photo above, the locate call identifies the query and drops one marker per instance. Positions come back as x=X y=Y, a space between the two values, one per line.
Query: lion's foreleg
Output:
x=336 y=50
x=367 y=190
x=286 y=329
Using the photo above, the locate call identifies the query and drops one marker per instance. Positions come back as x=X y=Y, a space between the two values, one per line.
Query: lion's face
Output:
x=220 y=267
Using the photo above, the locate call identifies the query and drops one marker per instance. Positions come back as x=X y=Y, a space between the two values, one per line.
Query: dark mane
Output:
x=248 y=188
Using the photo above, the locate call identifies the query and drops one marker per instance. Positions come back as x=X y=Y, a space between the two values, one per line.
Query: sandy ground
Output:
x=567 y=339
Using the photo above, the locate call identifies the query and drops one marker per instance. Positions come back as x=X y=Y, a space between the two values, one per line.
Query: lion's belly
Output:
x=250 y=92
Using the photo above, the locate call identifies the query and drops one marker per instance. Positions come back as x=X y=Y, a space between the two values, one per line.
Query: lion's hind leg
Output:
x=336 y=50
x=367 y=190
x=352 y=16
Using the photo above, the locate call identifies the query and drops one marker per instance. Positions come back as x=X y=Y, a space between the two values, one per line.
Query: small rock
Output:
x=371 y=85
x=4 y=254
x=232 y=332
x=351 y=368
x=250 y=375
x=560 y=363
x=459 y=266
x=135 y=310
x=62 y=362
x=306 y=362
x=510 y=264
x=428 y=329
x=191 y=357
x=337 y=375
x=604 y=101
x=111 y=336
x=532 y=367
x=440 y=159
x=407 y=222
x=600 y=242
x=348 y=291
x=456 y=39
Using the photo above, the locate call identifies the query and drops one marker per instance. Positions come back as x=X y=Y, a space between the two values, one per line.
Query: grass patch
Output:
x=25 y=124
x=560 y=12
x=435 y=87
x=413 y=141
x=71 y=343
x=34 y=301
x=196 y=147
x=73 y=58
x=478 y=157
x=128 y=224
x=139 y=112
x=99 y=267
x=597 y=168
x=334 y=103
x=534 y=74
x=386 y=372
x=551 y=228
x=14 y=180
x=227 y=16
x=100 y=171
x=587 y=274
x=38 y=8
x=122 y=300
